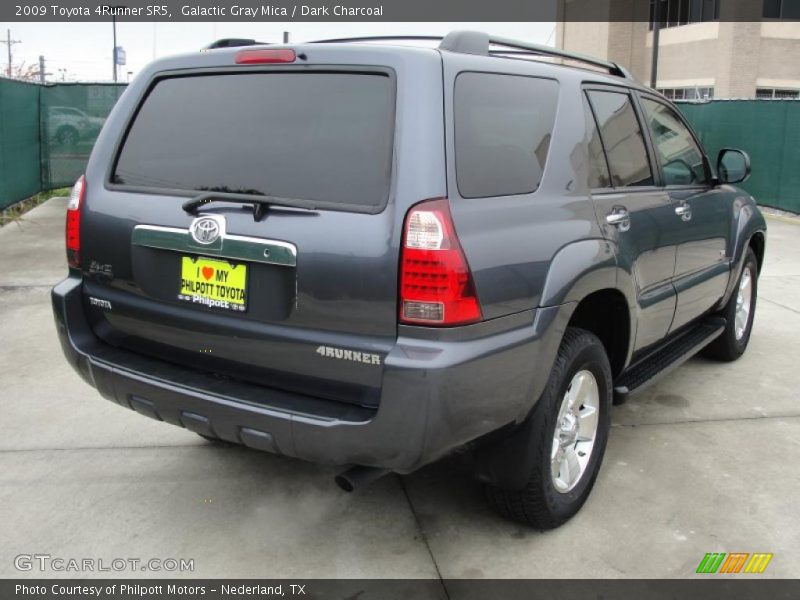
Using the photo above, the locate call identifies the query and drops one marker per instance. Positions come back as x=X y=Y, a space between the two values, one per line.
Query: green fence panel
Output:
x=19 y=141
x=768 y=130
x=71 y=117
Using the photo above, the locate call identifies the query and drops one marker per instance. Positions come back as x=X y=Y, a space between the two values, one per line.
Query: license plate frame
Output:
x=214 y=283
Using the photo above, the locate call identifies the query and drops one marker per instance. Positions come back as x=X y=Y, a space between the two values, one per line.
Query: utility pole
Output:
x=114 y=51
x=658 y=14
x=9 y=42
x=41 y=68
x=285 y=37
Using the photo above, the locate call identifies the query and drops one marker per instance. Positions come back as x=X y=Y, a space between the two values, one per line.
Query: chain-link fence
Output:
x=71 y=117
x=20 y=150
x=47 y=133
x=768 y=130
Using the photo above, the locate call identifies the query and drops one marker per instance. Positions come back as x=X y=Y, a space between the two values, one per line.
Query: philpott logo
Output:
x=734 y=562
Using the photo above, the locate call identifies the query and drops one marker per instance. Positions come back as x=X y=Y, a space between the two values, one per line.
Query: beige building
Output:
x=707 y=48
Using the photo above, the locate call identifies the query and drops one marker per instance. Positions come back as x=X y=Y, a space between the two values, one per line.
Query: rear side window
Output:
x=622 y=139
x=325 y=137
x=598 y=167
x=503 y=126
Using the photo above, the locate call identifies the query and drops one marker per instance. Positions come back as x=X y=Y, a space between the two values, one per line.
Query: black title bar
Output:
x=358 y=10
x=279 y=10
x=711 y=586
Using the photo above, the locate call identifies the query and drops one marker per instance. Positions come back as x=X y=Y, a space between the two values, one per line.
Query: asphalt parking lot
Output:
x=705 y=461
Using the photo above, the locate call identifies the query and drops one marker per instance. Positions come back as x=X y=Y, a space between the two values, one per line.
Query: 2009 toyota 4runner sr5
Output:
x=373 y=255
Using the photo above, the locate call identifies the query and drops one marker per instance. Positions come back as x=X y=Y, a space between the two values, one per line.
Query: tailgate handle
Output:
x=234 y=247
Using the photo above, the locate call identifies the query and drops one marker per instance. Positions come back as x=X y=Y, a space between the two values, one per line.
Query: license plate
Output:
x=213 y=283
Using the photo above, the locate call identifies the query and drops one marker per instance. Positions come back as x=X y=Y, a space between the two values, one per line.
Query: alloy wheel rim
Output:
x=744 y=300
x=575 y=432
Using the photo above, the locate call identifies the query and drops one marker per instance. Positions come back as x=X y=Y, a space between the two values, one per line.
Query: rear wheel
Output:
x=739 y=313
x=568 y=431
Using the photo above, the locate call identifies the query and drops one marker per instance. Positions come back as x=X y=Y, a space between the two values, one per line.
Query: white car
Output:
x=68 y=125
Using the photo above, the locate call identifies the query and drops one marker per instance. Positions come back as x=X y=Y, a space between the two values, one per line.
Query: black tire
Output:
x=727 y=347
x=538 y=503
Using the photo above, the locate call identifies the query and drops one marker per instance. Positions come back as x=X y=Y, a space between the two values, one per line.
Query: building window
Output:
x=775 y=94
x=682 y=12
x=688 y=93
x=781 y=9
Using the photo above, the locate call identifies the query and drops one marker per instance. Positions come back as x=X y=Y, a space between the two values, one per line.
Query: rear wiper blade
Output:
x=260 y=202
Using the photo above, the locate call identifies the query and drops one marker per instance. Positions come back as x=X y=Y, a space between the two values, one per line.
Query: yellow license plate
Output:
x=213 y=283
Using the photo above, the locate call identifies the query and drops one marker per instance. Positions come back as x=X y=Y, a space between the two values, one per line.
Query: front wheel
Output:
x=567 y=434
x=739 y=313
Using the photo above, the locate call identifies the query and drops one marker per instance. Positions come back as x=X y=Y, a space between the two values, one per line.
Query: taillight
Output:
x=254 y=57
x=436 y=286
x=74 y=222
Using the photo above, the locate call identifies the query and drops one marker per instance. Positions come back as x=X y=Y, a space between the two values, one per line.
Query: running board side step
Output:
x=666 y=359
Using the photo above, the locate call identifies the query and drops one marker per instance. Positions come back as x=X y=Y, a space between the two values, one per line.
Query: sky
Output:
x=82 y=51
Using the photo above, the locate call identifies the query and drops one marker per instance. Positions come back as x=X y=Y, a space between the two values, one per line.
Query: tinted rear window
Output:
x=503 y=126
x=325 y=137
x=622 y=139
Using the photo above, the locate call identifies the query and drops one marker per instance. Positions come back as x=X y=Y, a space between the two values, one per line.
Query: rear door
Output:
x=702 y=214
x=302 y=297
x=632 y=210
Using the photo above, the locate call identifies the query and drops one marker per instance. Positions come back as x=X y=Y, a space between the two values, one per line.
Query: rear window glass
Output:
x=622 y=139
x=325 y=137
x=503 y=126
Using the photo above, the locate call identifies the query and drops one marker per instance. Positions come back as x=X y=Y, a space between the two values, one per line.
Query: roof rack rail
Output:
x=381 y=38
x=478 y=42
x=232 y=43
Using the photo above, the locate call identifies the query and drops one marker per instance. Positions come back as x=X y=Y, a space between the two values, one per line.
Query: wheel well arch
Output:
x=605 y=313
x=757 y=243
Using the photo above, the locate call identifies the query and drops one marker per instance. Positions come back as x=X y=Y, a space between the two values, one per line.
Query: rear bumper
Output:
x=440 y=390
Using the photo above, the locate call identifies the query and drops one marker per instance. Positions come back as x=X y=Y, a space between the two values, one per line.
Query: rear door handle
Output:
x=619 y=218
x=684 y=211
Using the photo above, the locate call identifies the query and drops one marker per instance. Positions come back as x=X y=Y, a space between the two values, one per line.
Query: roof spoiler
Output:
x=232 y=43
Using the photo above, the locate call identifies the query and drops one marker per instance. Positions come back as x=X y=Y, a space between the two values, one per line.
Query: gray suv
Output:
x=374 y=255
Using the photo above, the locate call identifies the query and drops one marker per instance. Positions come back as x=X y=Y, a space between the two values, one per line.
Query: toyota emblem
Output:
x=205 y=230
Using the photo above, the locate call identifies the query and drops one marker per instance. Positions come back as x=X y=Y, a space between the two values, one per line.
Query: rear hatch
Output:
x=283 y=271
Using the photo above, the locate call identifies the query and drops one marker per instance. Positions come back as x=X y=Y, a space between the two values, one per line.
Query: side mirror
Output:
x=733 y=166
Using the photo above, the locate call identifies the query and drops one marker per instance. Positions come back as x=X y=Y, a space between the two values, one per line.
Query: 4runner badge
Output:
x=363 y=357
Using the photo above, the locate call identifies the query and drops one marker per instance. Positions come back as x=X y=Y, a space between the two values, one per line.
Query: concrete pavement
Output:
x=704 y=461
